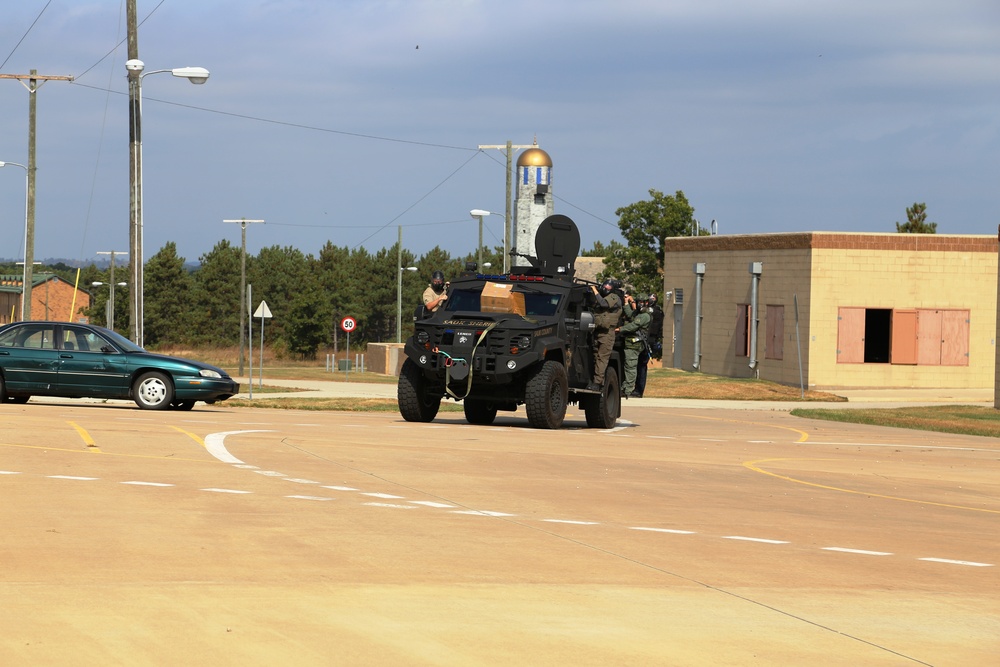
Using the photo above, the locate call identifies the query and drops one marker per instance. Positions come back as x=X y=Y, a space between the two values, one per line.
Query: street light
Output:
x=399 y=302
x=25 y=286
x=480 y=213
x=135 y=68
x=109 y=307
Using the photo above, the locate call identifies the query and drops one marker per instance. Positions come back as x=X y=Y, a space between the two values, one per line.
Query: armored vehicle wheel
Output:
x=479 y=411
x=602 y=411
x=415 y=404
x=545 y=395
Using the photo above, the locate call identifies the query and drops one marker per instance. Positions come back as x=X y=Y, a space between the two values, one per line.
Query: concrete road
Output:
x=683 y=537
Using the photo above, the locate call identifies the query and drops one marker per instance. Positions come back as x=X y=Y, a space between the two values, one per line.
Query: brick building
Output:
x=52 y=298
x=838 y=310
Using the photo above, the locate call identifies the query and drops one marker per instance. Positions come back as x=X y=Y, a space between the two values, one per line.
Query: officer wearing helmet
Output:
x=435 y=294
x=607 y=307
x=655 y=326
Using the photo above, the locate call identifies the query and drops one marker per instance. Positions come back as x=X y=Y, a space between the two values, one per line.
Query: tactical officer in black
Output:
x=655 y=327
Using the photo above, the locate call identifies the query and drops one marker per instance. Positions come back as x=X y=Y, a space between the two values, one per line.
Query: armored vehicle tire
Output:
x=415 y=405
x=545 y=395
x=602 y=411
x=479 y=411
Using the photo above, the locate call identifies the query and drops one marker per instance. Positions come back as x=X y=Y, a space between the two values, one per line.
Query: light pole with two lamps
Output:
x=109 y=307
x=135 y=68
x=481 y=213
x=399 y=302
x=25 y=278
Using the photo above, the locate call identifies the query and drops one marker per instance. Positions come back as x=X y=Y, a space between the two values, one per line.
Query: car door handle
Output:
x=65 y=356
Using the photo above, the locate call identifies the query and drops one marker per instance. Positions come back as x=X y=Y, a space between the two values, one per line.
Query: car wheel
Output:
x=3 y=390
x=602 y=411
x=545 y=396
x=153 y=391
x=480 y=412
x=182 y=405
x=416 y=404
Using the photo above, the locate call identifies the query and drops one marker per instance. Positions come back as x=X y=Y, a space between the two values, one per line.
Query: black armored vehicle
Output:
x=523 y=338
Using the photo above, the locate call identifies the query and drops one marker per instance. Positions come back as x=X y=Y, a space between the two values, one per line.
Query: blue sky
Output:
x=325 y=119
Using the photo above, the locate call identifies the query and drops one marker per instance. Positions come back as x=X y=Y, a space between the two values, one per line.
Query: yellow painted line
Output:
x=190 y=435
x=754 y=465
x=84 y=451
x=91 y=445
x=803 y=436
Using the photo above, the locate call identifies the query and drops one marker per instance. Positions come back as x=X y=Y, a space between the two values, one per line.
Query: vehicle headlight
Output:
x=209 y=373
x=519 y=343
x=423 y=337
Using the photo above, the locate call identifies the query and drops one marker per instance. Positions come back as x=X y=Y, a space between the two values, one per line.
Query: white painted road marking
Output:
x=215 y=443
x=753 y=539
x=226 y=491
x=82 y=479
x=956 y=562
x=578 y=523
x=857 y=551
x=664 y=530
x=309 y=497
x=147 y=483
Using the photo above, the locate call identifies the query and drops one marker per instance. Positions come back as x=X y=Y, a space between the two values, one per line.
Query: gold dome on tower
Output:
x=534 y=157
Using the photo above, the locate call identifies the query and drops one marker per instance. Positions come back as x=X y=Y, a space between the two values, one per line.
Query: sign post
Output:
x=348 y=324
x=263 y=312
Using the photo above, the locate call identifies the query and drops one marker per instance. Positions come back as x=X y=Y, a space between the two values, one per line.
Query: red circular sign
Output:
x=348 y=324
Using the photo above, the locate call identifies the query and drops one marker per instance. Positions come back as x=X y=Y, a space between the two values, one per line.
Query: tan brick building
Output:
x=839 y=310
x=52 y=298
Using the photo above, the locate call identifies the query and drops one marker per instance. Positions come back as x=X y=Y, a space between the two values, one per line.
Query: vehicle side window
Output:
x=93 y=342
x=75 y=339
x=8 y=338
x=38 y=337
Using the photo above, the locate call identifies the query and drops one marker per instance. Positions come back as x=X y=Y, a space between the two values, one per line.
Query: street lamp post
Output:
x=399 y=302
x=480 y=213
x=109 y=308
x=135 y=68
x=25 y=287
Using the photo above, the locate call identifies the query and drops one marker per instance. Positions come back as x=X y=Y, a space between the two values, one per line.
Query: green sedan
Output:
x=83 y=361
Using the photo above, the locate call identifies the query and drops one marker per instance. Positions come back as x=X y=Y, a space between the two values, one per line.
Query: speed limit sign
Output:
x=348 y=324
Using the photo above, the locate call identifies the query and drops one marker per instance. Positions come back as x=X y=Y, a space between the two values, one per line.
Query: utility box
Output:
x=345 y=365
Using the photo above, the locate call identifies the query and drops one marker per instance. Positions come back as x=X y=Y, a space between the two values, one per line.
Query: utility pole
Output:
x=35 y=81
x=110 y=319
x=243 y=285
x=508 y=148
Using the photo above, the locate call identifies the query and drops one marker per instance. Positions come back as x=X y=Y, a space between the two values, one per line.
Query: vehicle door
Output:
x=29 y=358
x=90 y=364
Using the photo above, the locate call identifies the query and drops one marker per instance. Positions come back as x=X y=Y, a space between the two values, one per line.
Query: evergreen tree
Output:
x=916 y=221
x=168 y=312
x=216 y=297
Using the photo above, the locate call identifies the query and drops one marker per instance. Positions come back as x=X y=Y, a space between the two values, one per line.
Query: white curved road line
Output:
x=215 y=443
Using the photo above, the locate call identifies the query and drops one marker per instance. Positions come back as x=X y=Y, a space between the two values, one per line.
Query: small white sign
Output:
x=262 y=310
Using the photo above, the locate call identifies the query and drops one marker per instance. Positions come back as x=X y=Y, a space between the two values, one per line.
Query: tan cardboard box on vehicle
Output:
x=501 y=298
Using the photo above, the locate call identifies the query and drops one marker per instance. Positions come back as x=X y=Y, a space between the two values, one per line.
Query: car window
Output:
x=34 y=336
x=83 y=340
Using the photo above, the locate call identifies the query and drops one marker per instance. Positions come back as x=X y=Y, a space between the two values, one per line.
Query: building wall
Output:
x=728 y=282
x=880 y=271
x=824 y=272
x=53 y=300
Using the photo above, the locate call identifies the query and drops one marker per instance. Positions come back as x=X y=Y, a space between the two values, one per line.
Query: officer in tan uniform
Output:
x=607 y=307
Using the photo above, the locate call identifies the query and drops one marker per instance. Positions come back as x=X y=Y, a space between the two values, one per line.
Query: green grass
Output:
x=963 y=419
